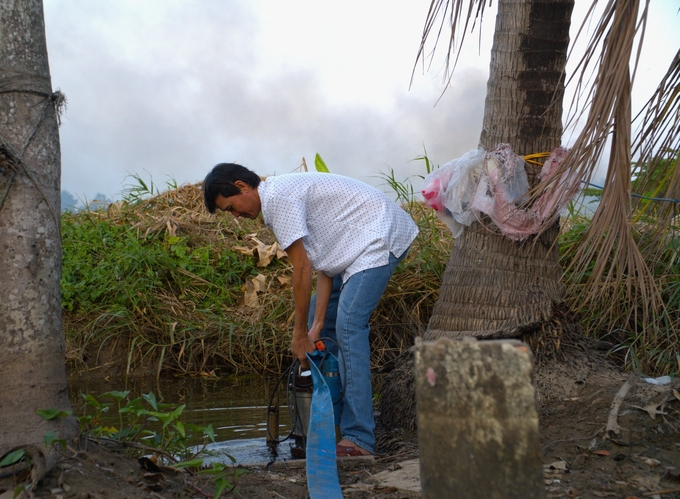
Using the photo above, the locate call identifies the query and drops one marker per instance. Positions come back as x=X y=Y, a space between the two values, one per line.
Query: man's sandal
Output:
x=348 y=451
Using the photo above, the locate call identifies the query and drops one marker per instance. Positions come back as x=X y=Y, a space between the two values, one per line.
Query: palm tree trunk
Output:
x=494 y=287
x=32 y=366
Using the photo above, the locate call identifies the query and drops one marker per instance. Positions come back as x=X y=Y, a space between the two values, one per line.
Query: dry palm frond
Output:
x=609 y=241
x=659 y=132
x=613 y=257
x=453 y=11
x=609 y=256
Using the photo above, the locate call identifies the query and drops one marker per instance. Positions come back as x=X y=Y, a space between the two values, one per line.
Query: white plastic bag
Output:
x=662 y=380
x=449 y=190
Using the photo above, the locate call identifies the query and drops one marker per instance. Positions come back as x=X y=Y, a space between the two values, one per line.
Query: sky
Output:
x=166 y=89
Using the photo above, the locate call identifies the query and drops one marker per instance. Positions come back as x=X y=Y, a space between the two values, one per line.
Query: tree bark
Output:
x=494 y=287
x=526 y=79
x=32 y=361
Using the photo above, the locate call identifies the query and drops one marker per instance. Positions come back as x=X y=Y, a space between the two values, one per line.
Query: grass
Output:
x=406 y=305
x=616 y=315
x=154 y=284
x=159 y=279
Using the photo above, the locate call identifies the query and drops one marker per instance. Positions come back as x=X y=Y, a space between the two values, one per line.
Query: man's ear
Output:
x=242 y=186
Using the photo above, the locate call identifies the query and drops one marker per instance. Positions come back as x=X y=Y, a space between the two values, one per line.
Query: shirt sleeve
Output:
x=288 y=220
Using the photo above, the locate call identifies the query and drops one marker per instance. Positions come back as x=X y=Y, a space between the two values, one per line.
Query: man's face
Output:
x=246 y=204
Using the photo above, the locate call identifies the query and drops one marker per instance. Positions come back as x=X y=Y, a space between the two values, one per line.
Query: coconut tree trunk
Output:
x=32 y=367
x=494 y=287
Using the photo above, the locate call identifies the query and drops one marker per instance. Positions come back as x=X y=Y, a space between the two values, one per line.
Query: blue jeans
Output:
x=349 y=311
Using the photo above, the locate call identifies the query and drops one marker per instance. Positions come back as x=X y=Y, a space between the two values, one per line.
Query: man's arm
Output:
x=302 y=293
x=324 y=286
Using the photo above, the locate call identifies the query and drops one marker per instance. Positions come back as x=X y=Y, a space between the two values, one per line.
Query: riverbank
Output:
x=580 y=459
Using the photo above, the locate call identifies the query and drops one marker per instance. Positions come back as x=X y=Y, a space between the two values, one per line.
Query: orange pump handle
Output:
x=320 y=346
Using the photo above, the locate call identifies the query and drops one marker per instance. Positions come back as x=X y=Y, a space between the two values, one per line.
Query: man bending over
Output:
x=354 y=236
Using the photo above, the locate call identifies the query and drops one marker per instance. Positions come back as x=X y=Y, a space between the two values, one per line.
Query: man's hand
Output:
x=300 y=346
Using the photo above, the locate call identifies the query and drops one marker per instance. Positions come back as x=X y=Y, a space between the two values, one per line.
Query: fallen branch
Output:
x=198 y=489
x=661 y=492
x=613 y=427
x=151 y=450
x=546 y=446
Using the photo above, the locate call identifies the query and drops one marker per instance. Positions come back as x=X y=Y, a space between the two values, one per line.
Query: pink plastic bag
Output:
x=493 y=183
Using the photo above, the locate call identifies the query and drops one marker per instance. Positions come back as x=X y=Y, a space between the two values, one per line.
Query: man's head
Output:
x=231 y=187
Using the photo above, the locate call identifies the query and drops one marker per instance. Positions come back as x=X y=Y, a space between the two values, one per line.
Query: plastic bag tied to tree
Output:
x=494 y=183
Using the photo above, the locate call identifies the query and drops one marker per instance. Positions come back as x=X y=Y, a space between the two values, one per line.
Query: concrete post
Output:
x=477 y=420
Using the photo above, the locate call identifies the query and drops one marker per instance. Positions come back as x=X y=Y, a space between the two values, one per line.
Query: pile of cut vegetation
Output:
x=156 y=284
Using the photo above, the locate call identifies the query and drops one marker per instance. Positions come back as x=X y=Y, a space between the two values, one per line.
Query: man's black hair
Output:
x=221 y=181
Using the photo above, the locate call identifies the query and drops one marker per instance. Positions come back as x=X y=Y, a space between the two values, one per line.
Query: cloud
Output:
x=171 y=88
x=174 y=86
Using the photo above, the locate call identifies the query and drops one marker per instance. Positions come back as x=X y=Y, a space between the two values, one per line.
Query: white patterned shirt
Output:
x=346 y=225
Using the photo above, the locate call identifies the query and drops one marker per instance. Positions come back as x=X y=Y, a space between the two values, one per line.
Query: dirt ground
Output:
x=580 y=459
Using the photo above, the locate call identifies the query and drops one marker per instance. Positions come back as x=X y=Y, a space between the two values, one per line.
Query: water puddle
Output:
x=235 y=407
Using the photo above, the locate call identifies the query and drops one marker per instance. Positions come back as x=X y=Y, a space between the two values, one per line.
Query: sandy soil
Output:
x=581 y=460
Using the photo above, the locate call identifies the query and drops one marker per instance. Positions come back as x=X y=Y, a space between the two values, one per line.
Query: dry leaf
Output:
x=285 y=280
x=602 y=452
x=557 y=465
x=250 y=298
x=676 y=394
x=649 y=482
x=243 y=250
x=253 y=286
x=260 y=282
x=266 y=253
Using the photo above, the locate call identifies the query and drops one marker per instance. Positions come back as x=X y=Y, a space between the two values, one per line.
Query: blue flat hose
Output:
x=322 y=468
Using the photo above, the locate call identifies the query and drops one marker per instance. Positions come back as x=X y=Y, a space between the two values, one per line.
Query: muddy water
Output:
x=235 y=407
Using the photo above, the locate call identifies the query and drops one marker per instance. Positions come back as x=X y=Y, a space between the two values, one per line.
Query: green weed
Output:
x=142 y=282
x=151 y=427
x=406 y=306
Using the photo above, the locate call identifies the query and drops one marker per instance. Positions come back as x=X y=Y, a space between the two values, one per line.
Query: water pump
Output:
x=299 y=388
